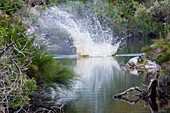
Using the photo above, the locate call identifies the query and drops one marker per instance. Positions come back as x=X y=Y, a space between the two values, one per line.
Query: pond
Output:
x=100 y=79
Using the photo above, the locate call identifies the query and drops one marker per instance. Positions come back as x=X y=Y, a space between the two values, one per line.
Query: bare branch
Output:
x=120 y=95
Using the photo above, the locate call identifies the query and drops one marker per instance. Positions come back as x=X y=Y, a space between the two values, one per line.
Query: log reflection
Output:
x=155 y=96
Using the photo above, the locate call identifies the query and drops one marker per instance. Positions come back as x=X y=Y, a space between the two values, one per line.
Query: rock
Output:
x=140 y=67
x=134 y=66
x=133 y=61
x=134 y=72
x=152 y=67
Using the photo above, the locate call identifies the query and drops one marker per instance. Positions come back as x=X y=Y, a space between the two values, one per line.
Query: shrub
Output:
x=46 y=70
x=154 y=18
x=160 y=52
x=15 y=56
x=10 y=6
x=159 y=11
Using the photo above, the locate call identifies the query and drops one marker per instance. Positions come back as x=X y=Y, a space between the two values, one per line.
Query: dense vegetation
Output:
x=150 y=18
x=24 y=66
x=15 y=54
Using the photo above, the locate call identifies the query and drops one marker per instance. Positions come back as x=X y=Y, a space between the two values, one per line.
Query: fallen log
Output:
x=120 y=95
x=154 y=91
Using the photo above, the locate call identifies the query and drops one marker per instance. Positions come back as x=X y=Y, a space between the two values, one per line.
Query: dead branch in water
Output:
x=128 y=90
x=154 y=91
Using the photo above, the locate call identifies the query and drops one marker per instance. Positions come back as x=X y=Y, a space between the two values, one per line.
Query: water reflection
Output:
x=96 y=79
x=95 y=72
x=101 y=79
x=154 y=105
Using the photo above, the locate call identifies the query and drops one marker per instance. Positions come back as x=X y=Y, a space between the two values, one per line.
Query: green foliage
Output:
x=108 y=11
x=159 y=10
x=131 y=16
x=119 y=13
x=160 y=52
x=55 y=1
x=10 y=6
x=154 y=17
x=15 y=56
x=46 y=70
x=127 y=8
x=43 y=7
x=16 y=98
x=14 y=33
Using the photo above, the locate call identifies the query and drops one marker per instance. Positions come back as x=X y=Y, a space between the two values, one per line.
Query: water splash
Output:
x=87 y=33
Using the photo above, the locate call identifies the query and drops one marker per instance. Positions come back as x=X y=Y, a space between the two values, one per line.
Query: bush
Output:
x=154 y=18
x=46 y=70
x=160 y=52
x=10 y=6
x=15 y=56
x=159 y=11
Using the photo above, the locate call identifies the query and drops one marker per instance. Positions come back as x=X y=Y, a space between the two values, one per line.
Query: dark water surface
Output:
x=101 y=78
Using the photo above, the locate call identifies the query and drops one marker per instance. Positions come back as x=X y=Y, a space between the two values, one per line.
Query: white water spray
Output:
x=83 y=33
